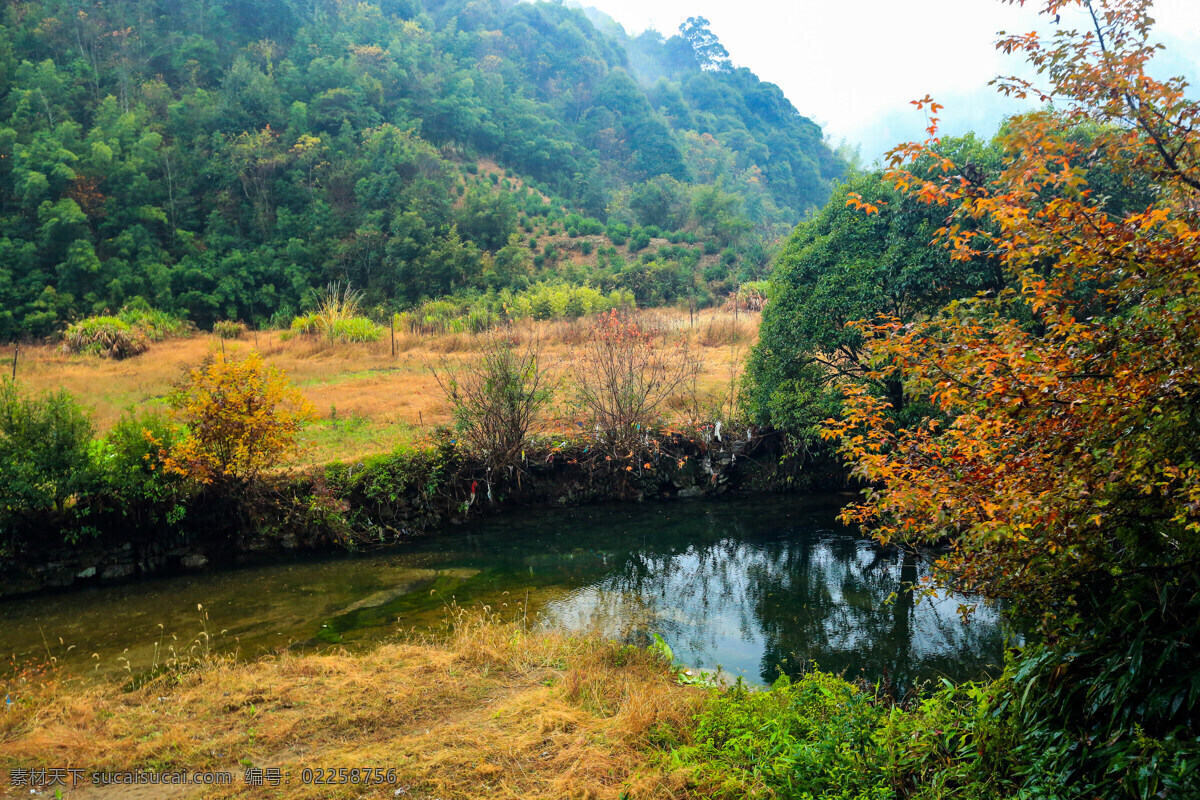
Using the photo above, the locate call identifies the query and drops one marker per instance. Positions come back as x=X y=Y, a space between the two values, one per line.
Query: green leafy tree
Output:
x=843 y=267
x=710 y=53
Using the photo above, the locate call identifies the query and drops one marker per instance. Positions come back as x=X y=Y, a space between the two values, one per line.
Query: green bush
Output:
x=541 y=305
x=820 y=736
x=478 y=313
x=407 y=471
x=618 y=233
x=107 y=337
x=576 y=306
x=130 y=465
x=479 y=320
x=810 y=738
x=337 y=317
x=352 y=329
x=307 y=325
x=45 y=456
x=1109 y=712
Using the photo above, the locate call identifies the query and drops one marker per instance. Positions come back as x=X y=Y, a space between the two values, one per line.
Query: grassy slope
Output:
x=492 y=711
x=368 y=401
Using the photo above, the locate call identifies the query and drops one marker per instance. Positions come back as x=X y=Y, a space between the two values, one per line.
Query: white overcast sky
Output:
x=853 y=65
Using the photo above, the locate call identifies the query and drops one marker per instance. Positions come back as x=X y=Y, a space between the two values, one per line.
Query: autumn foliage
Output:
x=1063 y=457
x=242 y=417
x=1060 y=461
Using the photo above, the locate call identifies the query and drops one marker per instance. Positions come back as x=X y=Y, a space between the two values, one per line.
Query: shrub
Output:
x=626 y=374
x=618 y=233
x=131 y=462
x=241 y=416
x=576 y=306
x=307 y=325
x=479 y=320
x=497 y=397
x=356 y=330
x=229 y=329
x=282 y=318
x=44 y=452
x=820 y=736
x=107 y=337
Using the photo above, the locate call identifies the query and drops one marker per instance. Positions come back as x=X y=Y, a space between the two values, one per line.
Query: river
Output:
x=750 y=586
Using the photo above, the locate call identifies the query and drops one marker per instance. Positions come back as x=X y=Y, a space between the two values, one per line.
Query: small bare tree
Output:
x=627 y=371
x=497 y=397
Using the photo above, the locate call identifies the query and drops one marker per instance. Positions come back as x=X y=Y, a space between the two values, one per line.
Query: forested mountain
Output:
x=220 y=158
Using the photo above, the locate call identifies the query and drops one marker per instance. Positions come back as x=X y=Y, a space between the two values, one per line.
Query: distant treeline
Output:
x=221 y=159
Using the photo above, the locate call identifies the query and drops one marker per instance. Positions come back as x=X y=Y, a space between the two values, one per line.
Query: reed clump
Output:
x=106 y=337
x=337 y=318
x=127 y=334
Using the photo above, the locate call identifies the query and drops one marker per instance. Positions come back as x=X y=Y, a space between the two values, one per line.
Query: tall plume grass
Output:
x=338 y=317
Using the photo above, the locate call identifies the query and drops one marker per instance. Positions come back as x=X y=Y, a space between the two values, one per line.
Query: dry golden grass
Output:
x=491 y=711
x=368 y=400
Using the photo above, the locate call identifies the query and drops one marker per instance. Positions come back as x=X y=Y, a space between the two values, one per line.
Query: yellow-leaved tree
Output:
x=242 y=417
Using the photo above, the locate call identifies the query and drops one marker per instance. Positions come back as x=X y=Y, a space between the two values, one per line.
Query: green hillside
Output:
x=221 y=158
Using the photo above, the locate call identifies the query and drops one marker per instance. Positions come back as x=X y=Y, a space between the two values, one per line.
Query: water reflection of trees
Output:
x=799 y=596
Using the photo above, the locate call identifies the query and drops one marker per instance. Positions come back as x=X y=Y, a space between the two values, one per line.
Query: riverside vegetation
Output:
x=521 y=418
x=998 y=338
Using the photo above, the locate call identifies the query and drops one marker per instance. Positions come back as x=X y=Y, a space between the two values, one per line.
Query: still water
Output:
x=750 y=586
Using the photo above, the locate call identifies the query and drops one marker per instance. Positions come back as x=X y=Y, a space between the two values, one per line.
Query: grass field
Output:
x=368 y=400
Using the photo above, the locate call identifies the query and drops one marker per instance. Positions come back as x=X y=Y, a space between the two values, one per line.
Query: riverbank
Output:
x=387 y=498
x=496 y=710
x=491 y=711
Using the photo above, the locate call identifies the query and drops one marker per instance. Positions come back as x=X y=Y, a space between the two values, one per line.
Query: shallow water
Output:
x=750 y=586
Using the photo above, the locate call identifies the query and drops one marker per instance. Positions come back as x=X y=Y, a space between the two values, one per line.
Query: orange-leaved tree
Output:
x=1064 y=458
x=1062 y=461
x=241 y=417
